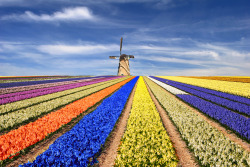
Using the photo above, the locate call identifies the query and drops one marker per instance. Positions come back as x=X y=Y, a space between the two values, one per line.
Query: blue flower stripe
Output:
x=235 y=106
x=81 y=145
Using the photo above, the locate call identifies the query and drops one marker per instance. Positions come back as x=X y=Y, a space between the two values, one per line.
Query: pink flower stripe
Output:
x=38 y=86
x=24 y=78
x=8 y=98
x=31 y=133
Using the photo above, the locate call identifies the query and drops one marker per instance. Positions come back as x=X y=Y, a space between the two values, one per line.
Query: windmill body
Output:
x=123 y=68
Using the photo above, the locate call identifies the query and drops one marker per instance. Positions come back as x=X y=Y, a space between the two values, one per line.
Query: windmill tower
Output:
x=123 y=68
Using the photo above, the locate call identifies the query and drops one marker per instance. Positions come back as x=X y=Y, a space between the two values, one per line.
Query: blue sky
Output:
x=167 y=37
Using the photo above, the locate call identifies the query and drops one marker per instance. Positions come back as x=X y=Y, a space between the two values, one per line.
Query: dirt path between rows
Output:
x=109 y=153
x=228 y=133
x=186 y=158
x=44 y=145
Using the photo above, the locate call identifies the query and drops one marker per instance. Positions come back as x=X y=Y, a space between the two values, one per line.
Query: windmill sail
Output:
x=114 y=57
x=121 y=46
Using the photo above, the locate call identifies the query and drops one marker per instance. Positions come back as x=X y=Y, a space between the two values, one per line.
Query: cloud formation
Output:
x=63 y=49
x=66 y=14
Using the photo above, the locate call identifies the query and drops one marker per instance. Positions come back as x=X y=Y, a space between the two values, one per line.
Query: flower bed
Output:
x=12 y=119
x=236 y=88
x=81 y=145
x=10 y=107
x=13 y=84
x=234 y=121
x=236 y=106
x=27 y=135
x=208 y=144
x=145 y=142
x=12 y=97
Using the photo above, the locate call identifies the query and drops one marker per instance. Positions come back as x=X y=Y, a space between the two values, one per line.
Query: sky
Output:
x=167 y=37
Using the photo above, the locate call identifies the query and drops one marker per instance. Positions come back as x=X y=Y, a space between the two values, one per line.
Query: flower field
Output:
x=72 y=121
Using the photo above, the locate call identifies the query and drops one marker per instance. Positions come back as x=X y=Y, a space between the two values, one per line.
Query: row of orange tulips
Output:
x=27 y=135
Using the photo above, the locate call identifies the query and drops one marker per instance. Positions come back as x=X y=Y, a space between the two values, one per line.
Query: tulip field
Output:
x=74 y=121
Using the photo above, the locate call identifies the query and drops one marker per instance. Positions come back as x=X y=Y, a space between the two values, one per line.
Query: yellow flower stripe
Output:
x=222 y=78
x=145 y=142
x=237 y=88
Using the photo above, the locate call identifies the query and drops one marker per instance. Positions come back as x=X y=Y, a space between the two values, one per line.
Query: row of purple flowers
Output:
x=24 y=78
x=44 y=91
x=38 y=86
x=13 y=84
x=231 y=97
x=41 y=87
x=236 y=106
x=234 y=121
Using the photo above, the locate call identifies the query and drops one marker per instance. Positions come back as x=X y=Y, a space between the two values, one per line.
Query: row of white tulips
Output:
x=168 y=87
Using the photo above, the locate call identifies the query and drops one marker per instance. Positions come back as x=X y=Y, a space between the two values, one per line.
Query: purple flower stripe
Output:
x=30 y=89
x=44 y=91
x=235 y=121
x=38 y=86
x=239 y=107
x=13 y=84
x=235 y=98
x=32 y=78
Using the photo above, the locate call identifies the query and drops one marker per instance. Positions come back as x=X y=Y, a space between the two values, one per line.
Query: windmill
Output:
x=123 y=68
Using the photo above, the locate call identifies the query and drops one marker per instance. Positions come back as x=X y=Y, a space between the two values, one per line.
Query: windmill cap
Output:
x=126 y=56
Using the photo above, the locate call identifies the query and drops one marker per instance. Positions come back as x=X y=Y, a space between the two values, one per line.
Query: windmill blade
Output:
x=121 y=46
x=113 y=57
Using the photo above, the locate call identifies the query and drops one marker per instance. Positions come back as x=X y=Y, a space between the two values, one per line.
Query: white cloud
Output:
x=202 y=53
x=85 y=64
x=213 y=59
x=171 y=60
x=77 y=49
x=177 y=51
x=225 y=50
x=67 y=14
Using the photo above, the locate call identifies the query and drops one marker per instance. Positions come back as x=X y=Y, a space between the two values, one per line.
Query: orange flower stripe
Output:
x=27 y=135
